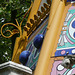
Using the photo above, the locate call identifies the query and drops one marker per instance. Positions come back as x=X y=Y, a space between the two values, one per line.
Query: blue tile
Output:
x=58 y=52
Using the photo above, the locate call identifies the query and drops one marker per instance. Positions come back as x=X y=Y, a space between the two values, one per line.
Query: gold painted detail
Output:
x=41 y=15
x=21 y=41
x=15 y=31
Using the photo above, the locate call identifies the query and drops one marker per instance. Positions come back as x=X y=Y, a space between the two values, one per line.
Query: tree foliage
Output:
x=9 y=11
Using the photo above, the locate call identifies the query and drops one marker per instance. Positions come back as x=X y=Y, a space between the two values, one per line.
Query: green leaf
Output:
x=1 y=10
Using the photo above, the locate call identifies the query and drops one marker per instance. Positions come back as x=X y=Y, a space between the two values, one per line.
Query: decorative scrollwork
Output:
x=18 y=26
x=15 y=31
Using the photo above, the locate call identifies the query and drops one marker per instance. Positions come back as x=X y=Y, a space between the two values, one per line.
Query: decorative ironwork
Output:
x=15 y=31
x=18 y=26
x=41 y=15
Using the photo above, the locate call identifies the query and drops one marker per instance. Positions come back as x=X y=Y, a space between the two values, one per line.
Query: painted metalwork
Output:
x=21 y=41
x=45 y=64
x=50 y=40
x=33 y=58
x=15 y=31
x=34 y=23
